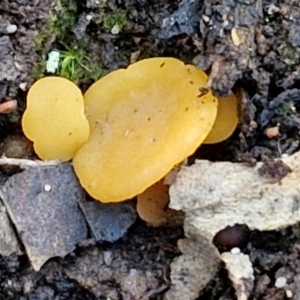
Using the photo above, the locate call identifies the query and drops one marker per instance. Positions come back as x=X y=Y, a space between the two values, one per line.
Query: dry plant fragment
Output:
x=26 y=163
x=8 y=106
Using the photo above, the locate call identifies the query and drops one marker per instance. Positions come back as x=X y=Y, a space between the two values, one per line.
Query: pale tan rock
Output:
x=240 y=271
x=216 y=195
x=193 y=270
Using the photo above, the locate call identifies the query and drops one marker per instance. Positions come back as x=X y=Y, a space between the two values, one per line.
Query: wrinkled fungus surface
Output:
x=143 y=120
x=54 y=119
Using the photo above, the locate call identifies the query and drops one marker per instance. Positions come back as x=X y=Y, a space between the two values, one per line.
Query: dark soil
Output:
x=250 y=46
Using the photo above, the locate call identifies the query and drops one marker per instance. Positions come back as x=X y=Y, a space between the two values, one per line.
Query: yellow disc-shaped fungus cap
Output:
x=152 y=204
x=226 y=121
x=54 y=118
x=143 y=121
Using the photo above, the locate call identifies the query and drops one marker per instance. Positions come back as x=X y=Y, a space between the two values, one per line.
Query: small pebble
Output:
x=205 y=18
x=273 y=9
x=272 y=132
x=89 y=17
x=28 y=286
x=12 y=28
x=47 y=187
x=235 y=250
x=23 y=86
x=280 y=282
x=289 y=293
x=107 y=257
x=116 y=29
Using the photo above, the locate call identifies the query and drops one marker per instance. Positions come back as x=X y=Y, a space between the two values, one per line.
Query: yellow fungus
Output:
x=153 y=203
x=226 y=121
x=54 y=118
x=143 y=120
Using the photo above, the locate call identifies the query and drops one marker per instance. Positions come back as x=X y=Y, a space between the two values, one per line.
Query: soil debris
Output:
x=184 y=20
x=17 y=66
x=15 y=146
x=272 y=168
x=124 y=270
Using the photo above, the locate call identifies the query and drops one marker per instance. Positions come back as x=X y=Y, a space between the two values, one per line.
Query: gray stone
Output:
x=43 y=205
x=9 y=243
x=108 y=222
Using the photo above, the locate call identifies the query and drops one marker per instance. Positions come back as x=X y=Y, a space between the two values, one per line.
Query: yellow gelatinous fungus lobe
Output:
x=54 y=118
x=143 y=121
x=226 y=121
x=152 y=204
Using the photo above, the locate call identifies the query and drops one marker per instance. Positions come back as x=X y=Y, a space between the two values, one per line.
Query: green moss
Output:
x=75 y=65
x=114 y=20
x=75 y=62
x=71 y=64
x=62 y=18
x=288 y=109
x=39 y=69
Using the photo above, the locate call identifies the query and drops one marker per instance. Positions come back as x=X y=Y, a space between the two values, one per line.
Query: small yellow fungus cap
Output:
x=226 y=121
x=54 y=118
x=143 y=121
x=152 y=204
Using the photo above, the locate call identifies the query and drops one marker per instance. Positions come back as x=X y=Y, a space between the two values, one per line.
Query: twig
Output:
x=215 y=68
x=27 y=163
x=155 y=292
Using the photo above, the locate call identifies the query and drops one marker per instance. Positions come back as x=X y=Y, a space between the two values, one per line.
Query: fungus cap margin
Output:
x=226 y=120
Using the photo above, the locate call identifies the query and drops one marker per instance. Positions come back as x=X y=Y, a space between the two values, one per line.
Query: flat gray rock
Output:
x=43 y=205
x=108 y=222
x=9 y=243
x=184 y=20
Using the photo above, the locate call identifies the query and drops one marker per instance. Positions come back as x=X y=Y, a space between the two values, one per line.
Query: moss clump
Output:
x=62 y=18
x=114 y=21
x=75 y=62
x=75 y=65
